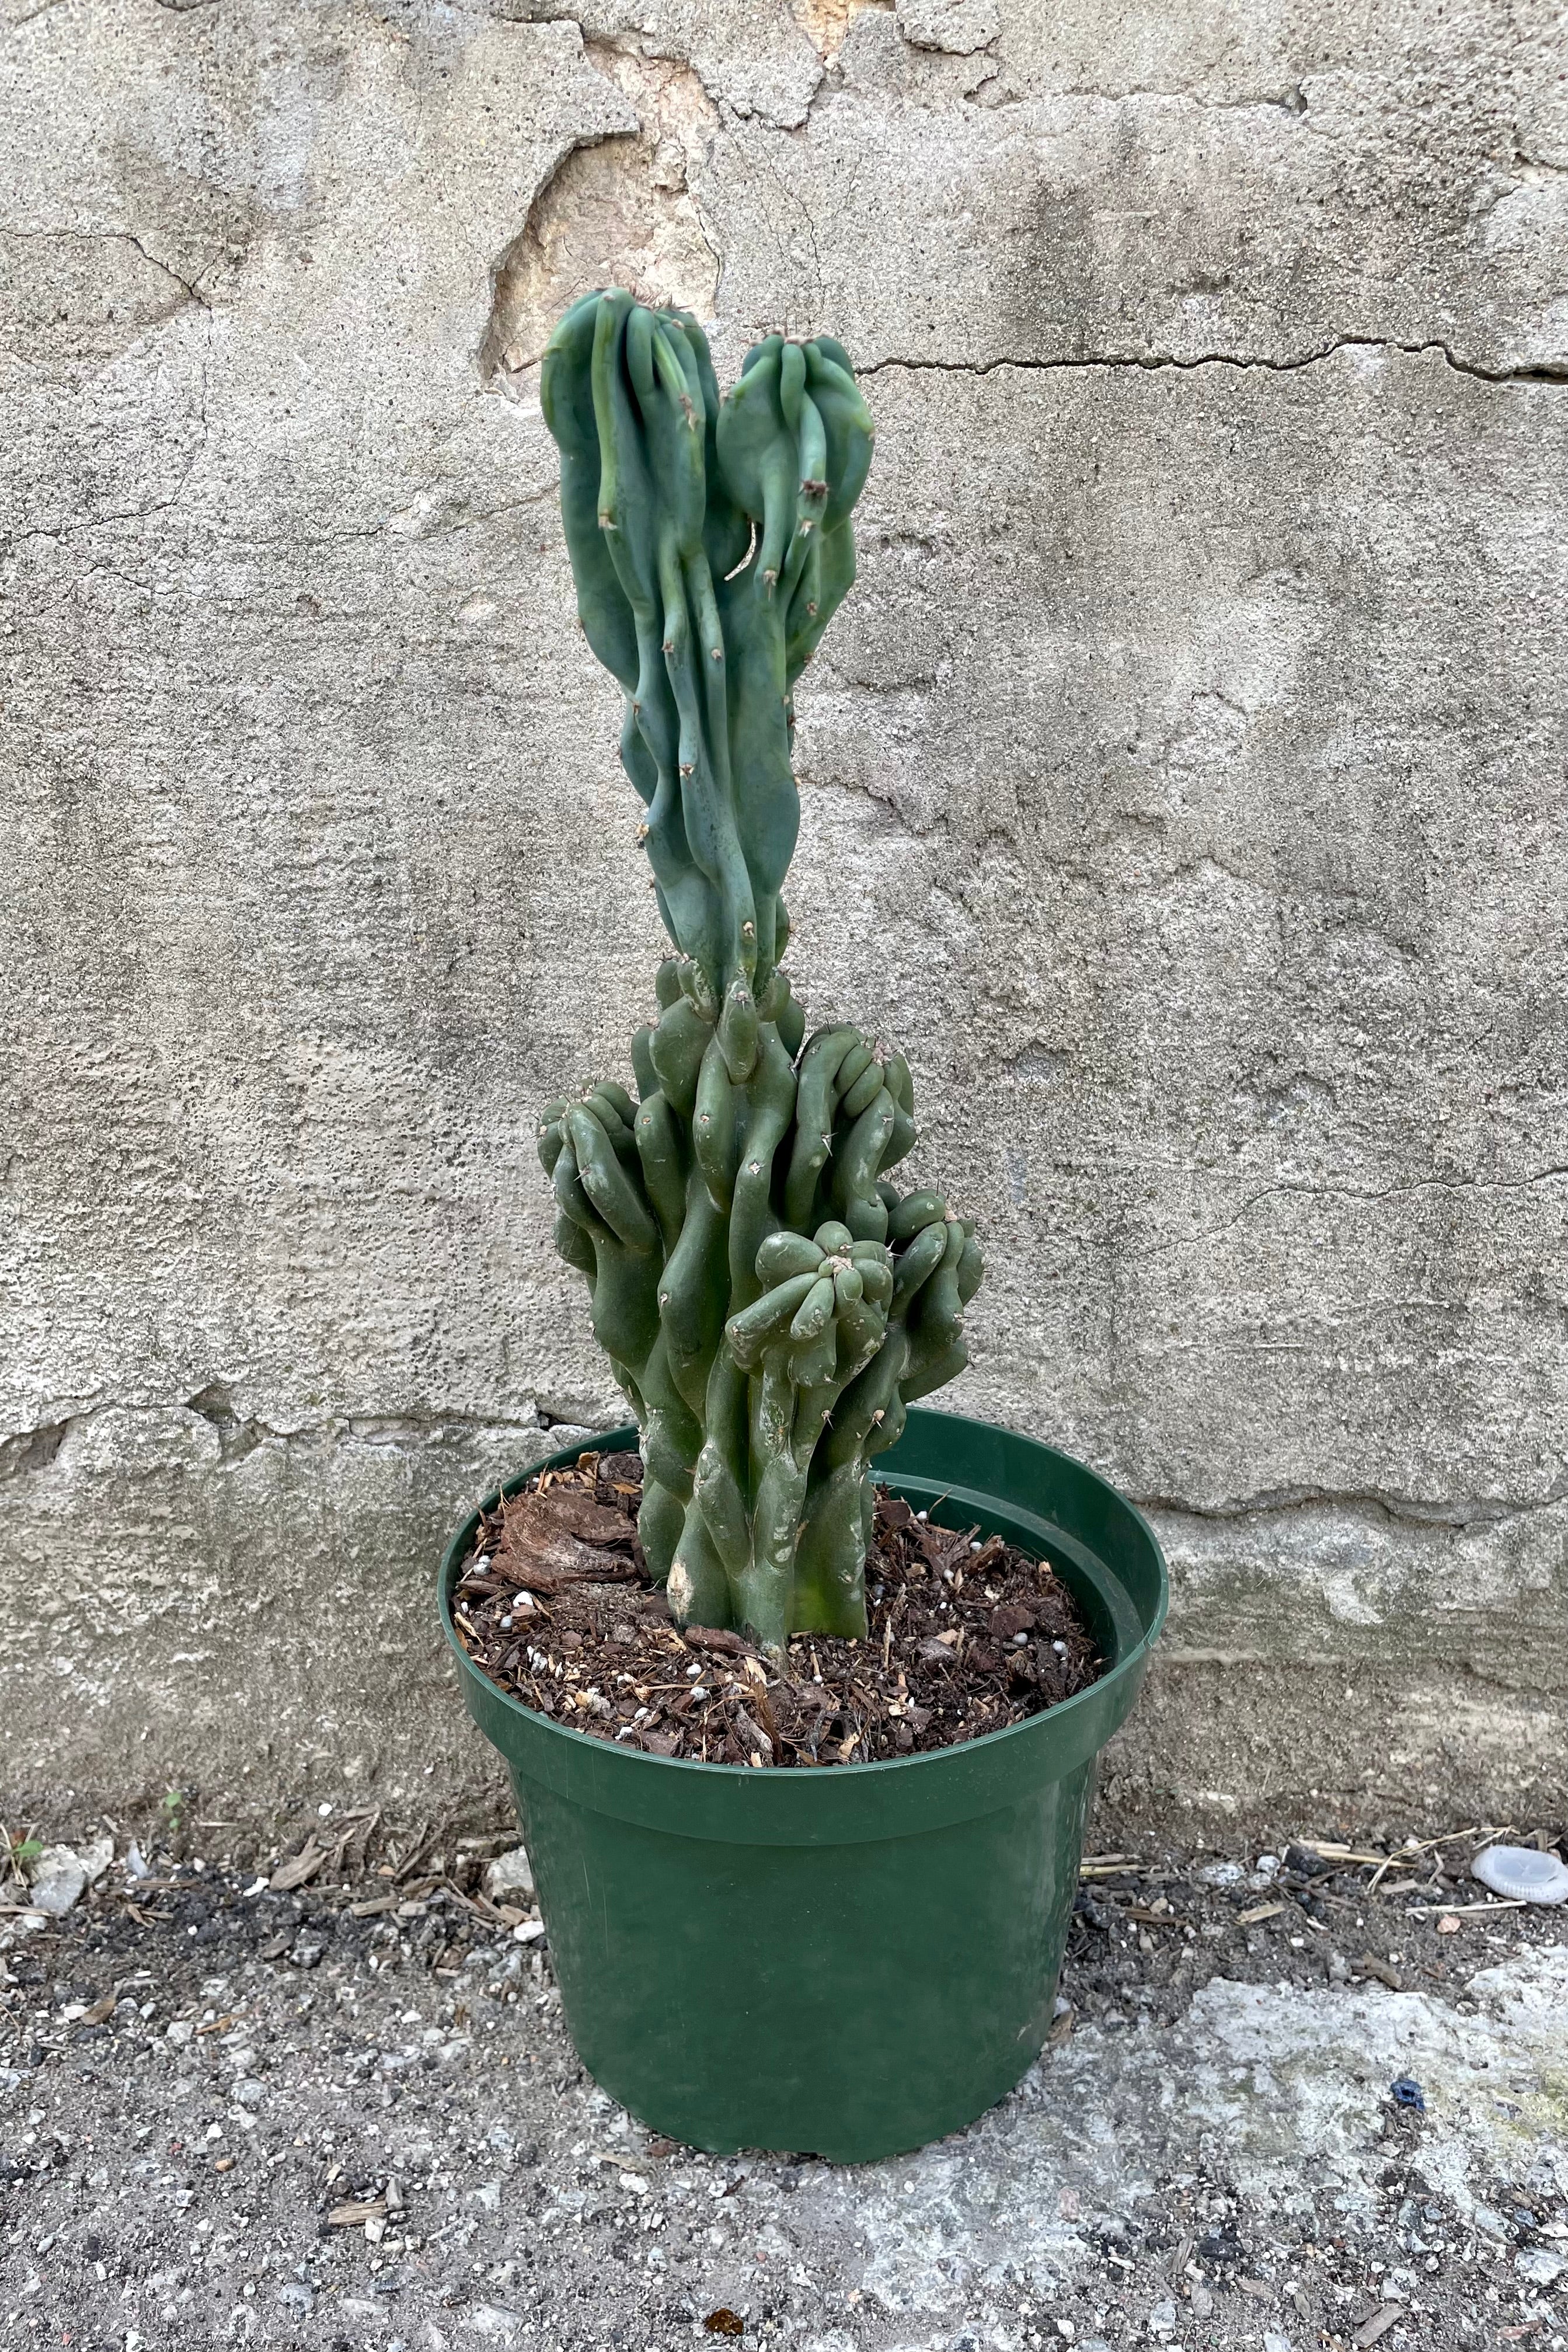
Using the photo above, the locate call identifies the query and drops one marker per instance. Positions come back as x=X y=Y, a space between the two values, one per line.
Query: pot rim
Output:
x=1127 y=1668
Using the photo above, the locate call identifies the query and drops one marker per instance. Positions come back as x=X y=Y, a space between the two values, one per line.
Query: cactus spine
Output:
x=767 y=1299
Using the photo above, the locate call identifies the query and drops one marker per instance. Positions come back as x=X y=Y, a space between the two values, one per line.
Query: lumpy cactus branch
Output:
x=767 y=1299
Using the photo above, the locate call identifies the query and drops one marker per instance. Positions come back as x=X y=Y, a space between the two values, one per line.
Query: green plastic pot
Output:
x=852 y=1962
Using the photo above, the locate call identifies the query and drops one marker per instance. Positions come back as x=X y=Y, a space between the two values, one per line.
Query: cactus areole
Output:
x=769 y=1301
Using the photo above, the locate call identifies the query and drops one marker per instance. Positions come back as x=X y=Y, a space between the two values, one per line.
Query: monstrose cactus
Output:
x=768 y=1300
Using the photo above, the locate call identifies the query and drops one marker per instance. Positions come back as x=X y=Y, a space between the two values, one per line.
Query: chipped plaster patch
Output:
x=616 y=213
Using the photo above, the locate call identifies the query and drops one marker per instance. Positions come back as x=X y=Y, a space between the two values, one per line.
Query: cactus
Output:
x=767 y=1299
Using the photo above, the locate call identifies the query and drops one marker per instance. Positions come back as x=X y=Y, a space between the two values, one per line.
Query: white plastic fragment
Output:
x=1522 y=1873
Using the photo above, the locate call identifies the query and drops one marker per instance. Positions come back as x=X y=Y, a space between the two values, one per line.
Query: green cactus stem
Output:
x=767 y=1299
x=769 y=1302
x=710 y=545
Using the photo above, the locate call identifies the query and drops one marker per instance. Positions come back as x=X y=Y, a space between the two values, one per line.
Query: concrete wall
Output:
x=1183 y=787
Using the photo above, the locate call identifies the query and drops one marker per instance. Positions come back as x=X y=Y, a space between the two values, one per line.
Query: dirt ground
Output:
x=348 y=2113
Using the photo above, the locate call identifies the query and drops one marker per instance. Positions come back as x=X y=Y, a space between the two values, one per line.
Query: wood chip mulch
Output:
x=965 y=1637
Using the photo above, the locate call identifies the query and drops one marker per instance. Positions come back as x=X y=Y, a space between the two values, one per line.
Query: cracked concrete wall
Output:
x=1182 y=786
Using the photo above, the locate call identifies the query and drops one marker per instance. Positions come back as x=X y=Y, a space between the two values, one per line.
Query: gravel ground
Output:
x=232 y=2114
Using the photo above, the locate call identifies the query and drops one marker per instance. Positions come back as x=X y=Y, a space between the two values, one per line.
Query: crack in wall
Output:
x=1470 y=1183
x=189 y=286
x=190 y=289
x=1402 y=1510
x=1545 y=372
x=29 y=1450
x=36 y=1448
x=1291 y=101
